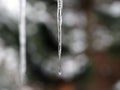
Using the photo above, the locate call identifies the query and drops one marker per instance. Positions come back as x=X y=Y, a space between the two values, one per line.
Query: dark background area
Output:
x=90 y=45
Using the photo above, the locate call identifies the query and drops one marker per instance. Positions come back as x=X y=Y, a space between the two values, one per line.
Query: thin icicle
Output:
x=22 y=38
x=59 y=23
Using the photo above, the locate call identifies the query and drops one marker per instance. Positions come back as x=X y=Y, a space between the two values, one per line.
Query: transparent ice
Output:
x=59 y=24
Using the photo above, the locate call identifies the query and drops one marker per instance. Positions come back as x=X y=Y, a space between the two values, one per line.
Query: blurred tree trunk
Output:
x=87 y=6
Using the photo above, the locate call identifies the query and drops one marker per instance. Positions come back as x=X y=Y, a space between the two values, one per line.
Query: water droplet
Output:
x=59 y=73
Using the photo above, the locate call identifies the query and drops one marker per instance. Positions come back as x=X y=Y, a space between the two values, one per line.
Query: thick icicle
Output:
x=22 y=38
x=59 y=24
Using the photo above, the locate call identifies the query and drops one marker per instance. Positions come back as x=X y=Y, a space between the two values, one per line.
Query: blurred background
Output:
x=90 y=45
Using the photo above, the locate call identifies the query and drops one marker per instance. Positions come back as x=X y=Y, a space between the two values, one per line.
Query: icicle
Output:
x=22 y=38
x=59 y=23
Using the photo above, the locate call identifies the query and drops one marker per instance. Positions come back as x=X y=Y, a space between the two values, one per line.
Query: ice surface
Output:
x=59 y=23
